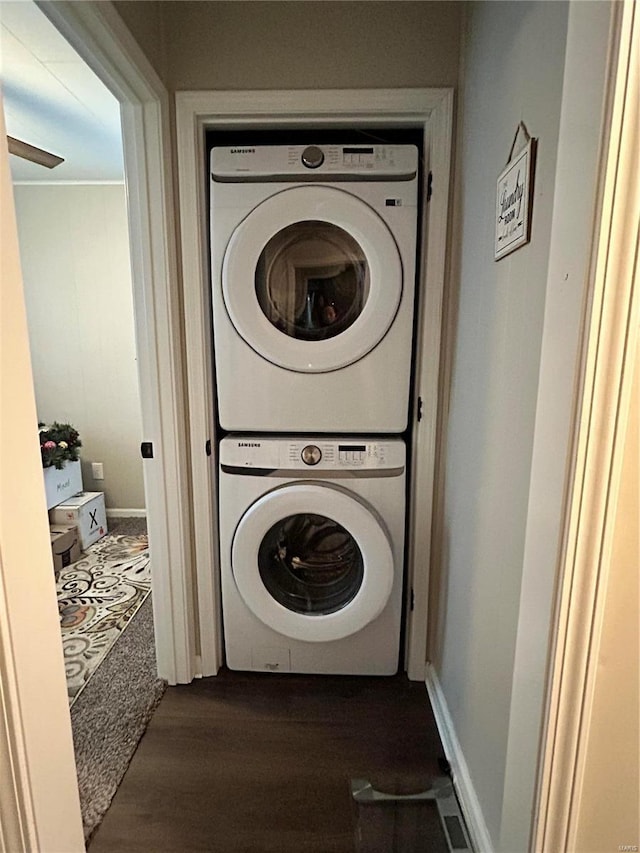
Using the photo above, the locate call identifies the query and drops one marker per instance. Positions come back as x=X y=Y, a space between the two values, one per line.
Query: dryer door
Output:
x=312 y=562
x=312 y=279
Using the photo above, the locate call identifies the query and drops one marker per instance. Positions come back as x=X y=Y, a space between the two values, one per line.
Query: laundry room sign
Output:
x=514 y=198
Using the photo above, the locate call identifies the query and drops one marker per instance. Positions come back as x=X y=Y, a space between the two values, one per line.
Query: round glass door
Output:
x=312 y=279
x=312 y=562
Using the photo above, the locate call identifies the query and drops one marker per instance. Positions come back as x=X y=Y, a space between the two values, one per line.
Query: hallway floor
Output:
x=261 y=762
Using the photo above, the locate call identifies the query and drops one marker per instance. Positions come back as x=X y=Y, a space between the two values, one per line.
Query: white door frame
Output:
x=429 y=109
x=100 y=37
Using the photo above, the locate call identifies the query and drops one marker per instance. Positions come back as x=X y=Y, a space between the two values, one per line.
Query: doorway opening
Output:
x=74 y=244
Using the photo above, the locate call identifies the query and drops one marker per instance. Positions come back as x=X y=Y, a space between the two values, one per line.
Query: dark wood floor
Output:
x=262 y=762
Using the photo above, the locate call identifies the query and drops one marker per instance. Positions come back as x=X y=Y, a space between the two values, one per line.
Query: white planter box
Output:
x=62 y=484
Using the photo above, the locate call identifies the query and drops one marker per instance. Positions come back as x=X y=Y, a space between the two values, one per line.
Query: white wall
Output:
x=575 y=191
x=295 y=45
x=513 y=67
x=74 y=247
x=513 y=364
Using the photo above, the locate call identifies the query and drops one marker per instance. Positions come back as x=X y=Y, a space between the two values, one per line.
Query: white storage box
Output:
x=61 y=484
x=87 y=512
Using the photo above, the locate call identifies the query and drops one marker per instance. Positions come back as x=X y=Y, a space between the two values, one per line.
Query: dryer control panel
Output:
x=314 y=162
x=311 y=454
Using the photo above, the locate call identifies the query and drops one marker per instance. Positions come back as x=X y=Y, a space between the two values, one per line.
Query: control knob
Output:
x=312 y=157
x=311 y=454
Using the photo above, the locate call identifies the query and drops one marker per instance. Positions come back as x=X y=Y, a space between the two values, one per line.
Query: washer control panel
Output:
x=312 y=162
x=348 y=453
x=361 y=454
x=311 y=454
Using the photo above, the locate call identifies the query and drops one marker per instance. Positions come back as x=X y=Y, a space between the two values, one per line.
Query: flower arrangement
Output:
x=59 y=443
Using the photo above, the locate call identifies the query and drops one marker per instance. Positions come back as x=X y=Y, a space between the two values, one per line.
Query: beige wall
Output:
x=145 y=22
x=609 y=814
x=299 y=45
x=74 y=247
x=513 y=62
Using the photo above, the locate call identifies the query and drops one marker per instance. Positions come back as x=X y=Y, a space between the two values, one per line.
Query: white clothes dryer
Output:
x=311 y=553
x=313 y=279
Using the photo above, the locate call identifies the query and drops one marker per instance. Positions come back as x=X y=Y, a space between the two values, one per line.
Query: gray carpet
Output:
x=112 y=713
x=129 y=526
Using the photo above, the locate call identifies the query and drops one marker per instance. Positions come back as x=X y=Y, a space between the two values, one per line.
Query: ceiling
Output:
x=54 y=101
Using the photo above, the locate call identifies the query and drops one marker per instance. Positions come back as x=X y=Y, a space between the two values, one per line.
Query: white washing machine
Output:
x=311 y=551
x=313 y=253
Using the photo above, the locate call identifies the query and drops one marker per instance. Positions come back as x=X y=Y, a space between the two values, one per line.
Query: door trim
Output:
x=429 y=109
x=97 y=33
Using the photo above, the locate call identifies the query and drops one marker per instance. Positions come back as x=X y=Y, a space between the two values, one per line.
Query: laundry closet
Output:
x=314 y=240
x=508 y=361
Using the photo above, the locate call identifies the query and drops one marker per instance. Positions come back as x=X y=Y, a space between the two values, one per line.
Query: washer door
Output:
x=312 y=562
x=312 y=279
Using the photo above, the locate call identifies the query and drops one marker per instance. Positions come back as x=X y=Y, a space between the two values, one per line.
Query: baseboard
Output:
x=127 y=513
x=469 y=802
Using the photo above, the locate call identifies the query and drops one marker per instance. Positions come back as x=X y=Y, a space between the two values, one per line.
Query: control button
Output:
x=311 y=454
x=312 y=157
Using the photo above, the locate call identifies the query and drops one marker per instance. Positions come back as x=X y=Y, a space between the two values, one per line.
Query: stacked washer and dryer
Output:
x=313 y=253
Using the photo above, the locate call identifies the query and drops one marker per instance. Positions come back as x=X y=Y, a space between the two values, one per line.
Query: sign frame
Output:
x=514 y=201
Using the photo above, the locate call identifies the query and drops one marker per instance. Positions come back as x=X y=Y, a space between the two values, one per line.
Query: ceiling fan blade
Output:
x=33 y=154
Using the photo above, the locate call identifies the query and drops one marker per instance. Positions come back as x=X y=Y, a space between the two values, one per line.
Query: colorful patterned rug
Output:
x=97 y=597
